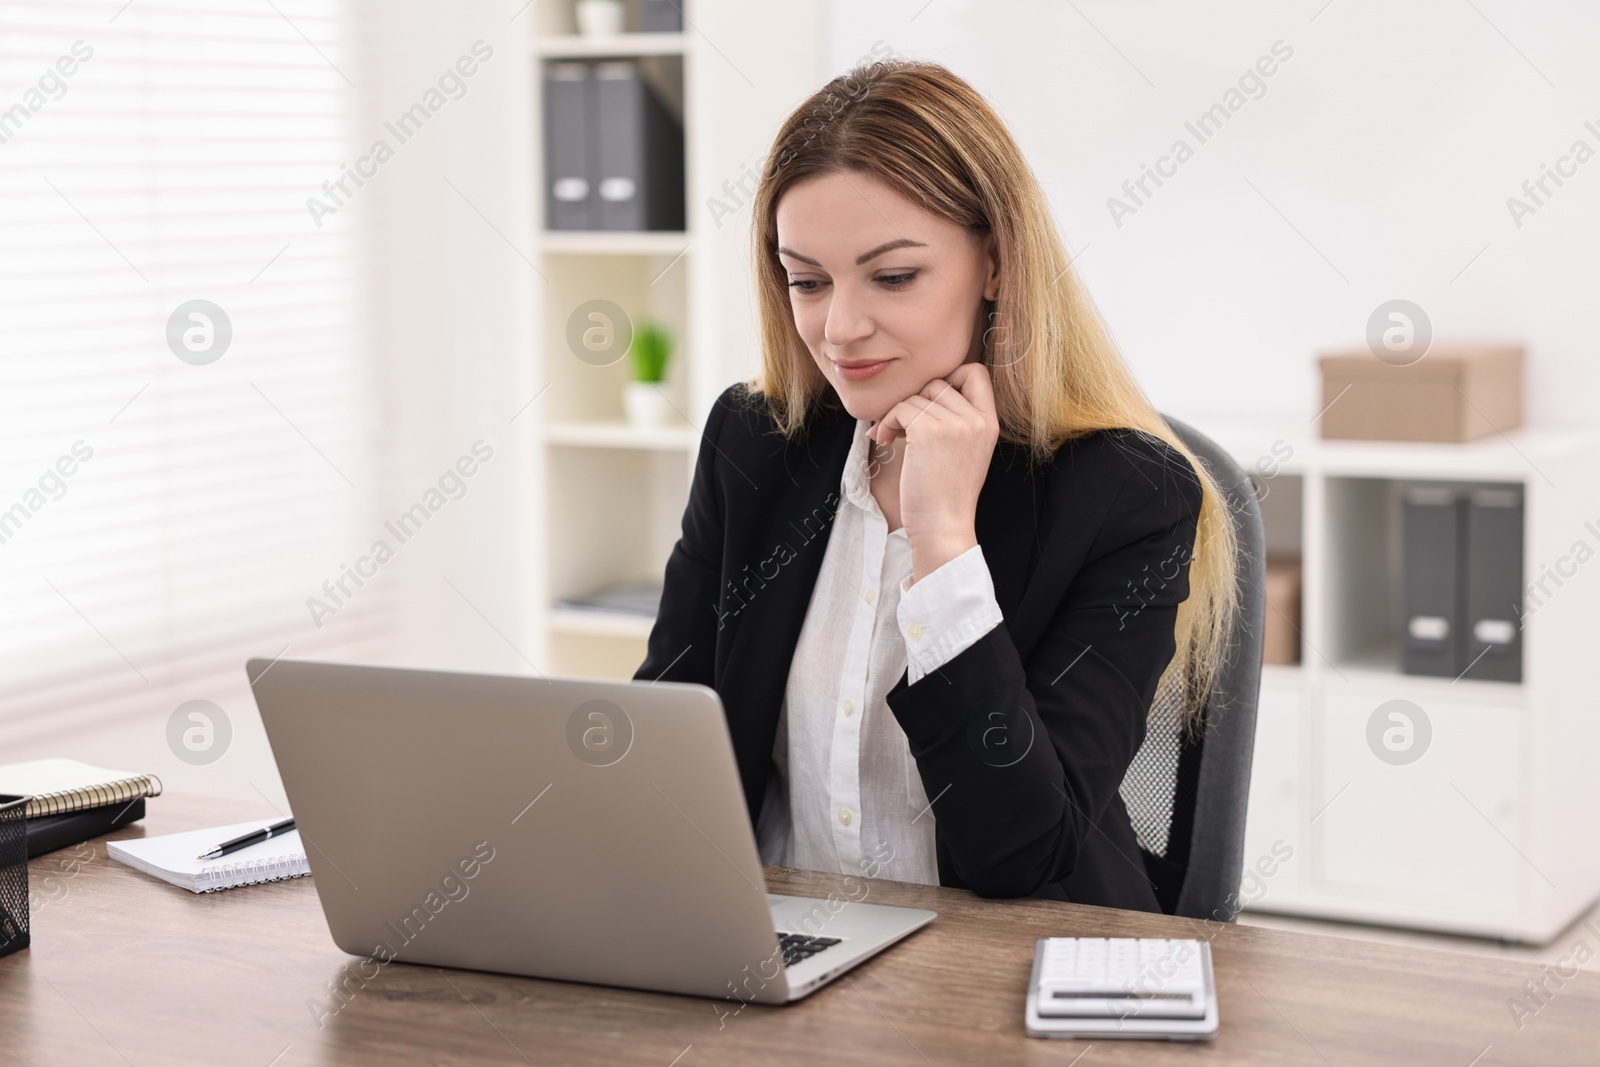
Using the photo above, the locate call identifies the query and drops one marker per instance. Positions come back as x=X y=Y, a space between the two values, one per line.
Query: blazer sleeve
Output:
x=1022 y=758
x=683 y=641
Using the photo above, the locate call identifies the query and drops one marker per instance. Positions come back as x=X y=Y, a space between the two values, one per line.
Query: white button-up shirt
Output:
x=847 y=796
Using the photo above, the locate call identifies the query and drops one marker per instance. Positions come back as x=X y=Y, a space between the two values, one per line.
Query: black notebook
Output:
x=47 y=833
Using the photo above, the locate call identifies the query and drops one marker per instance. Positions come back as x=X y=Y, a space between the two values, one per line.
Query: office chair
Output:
x=1186 y=796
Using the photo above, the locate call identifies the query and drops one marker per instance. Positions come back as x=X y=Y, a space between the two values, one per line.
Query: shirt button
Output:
x=914 y=631
x=871 y=594
x=844 y=816
x=849 y=707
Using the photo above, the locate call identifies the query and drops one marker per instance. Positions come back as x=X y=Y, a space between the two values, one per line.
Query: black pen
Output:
x=249 y=839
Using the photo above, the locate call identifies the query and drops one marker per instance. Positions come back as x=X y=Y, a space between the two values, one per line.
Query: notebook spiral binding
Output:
x=69 y=800
x=250 y=872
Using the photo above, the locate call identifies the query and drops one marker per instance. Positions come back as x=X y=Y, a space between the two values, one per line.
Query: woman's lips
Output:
x=857 y=372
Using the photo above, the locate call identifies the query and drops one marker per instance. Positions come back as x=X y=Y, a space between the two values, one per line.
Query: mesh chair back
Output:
x=1186 y=795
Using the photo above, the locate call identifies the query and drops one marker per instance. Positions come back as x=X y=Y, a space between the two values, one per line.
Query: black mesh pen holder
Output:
x=13 y=875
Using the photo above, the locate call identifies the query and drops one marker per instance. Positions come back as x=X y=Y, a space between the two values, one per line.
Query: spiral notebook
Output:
x=171 y=857
x=59 y=786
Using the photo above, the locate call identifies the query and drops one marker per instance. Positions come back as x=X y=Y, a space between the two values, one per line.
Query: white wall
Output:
x=737 y=85
x=1390 y=140
x=451 y=284
x=447 y=324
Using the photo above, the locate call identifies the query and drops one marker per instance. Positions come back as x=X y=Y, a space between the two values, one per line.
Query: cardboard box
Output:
x=1453 y=393
x=1281 y=634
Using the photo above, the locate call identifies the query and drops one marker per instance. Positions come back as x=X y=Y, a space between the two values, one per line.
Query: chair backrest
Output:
x=1186 y=795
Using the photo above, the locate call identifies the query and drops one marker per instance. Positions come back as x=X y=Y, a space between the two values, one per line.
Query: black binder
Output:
x=640 y=153
x=571 y=202
x=660 y=16
x=1431 y=567
x=1492 y=634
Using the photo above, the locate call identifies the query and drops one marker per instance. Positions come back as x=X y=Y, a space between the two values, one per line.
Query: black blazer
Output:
x=1023 y=738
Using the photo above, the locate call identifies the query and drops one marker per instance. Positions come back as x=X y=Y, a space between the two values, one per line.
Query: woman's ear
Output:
x=991 y=260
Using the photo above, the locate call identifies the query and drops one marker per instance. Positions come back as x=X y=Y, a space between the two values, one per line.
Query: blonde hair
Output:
x=1057 y=374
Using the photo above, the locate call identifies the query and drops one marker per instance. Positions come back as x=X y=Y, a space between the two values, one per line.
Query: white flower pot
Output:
x=646 y=405
x=599 y=18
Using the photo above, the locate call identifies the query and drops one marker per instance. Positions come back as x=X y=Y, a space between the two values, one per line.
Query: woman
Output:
x=939 y=553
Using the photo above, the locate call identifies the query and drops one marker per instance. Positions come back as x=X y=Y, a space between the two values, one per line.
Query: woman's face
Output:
x=885 y=294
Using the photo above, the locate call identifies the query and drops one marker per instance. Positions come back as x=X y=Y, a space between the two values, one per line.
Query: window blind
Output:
x=165 y=511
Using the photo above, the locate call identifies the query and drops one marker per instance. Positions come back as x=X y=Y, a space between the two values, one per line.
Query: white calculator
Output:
x=1122 y=987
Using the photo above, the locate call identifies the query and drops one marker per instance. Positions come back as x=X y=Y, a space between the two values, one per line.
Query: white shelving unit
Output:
x=563 y=44
x=611 y=434
x=1489 y=832
x=576 y=243
x=612 y=493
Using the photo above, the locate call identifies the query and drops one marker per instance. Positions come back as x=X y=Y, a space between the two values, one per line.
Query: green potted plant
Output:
x=648 y=355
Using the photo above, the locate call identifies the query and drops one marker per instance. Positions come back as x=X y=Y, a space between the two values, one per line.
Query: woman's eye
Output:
x=892 y=281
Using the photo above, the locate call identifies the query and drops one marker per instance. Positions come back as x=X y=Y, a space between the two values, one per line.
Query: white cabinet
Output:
x=1486 y=830
x=1431 y=824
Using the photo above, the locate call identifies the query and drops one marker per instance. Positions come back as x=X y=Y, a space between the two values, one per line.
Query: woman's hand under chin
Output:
x=950 y=429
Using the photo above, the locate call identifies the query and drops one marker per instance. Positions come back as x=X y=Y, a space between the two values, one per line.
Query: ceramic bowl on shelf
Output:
x=599 y=18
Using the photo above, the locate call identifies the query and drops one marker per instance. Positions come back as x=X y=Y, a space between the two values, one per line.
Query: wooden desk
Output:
x=126 y=969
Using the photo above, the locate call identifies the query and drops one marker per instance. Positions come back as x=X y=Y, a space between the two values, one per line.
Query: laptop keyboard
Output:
x=797 y=947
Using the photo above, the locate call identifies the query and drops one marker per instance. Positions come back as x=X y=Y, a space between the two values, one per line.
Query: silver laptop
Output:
x=571 y=829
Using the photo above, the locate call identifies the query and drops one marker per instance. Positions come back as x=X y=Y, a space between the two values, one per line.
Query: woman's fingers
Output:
x=945 y=395
x=967 y=394
x=894 y=423
x=903 y=414
x=965 y=405
x=972 y=379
